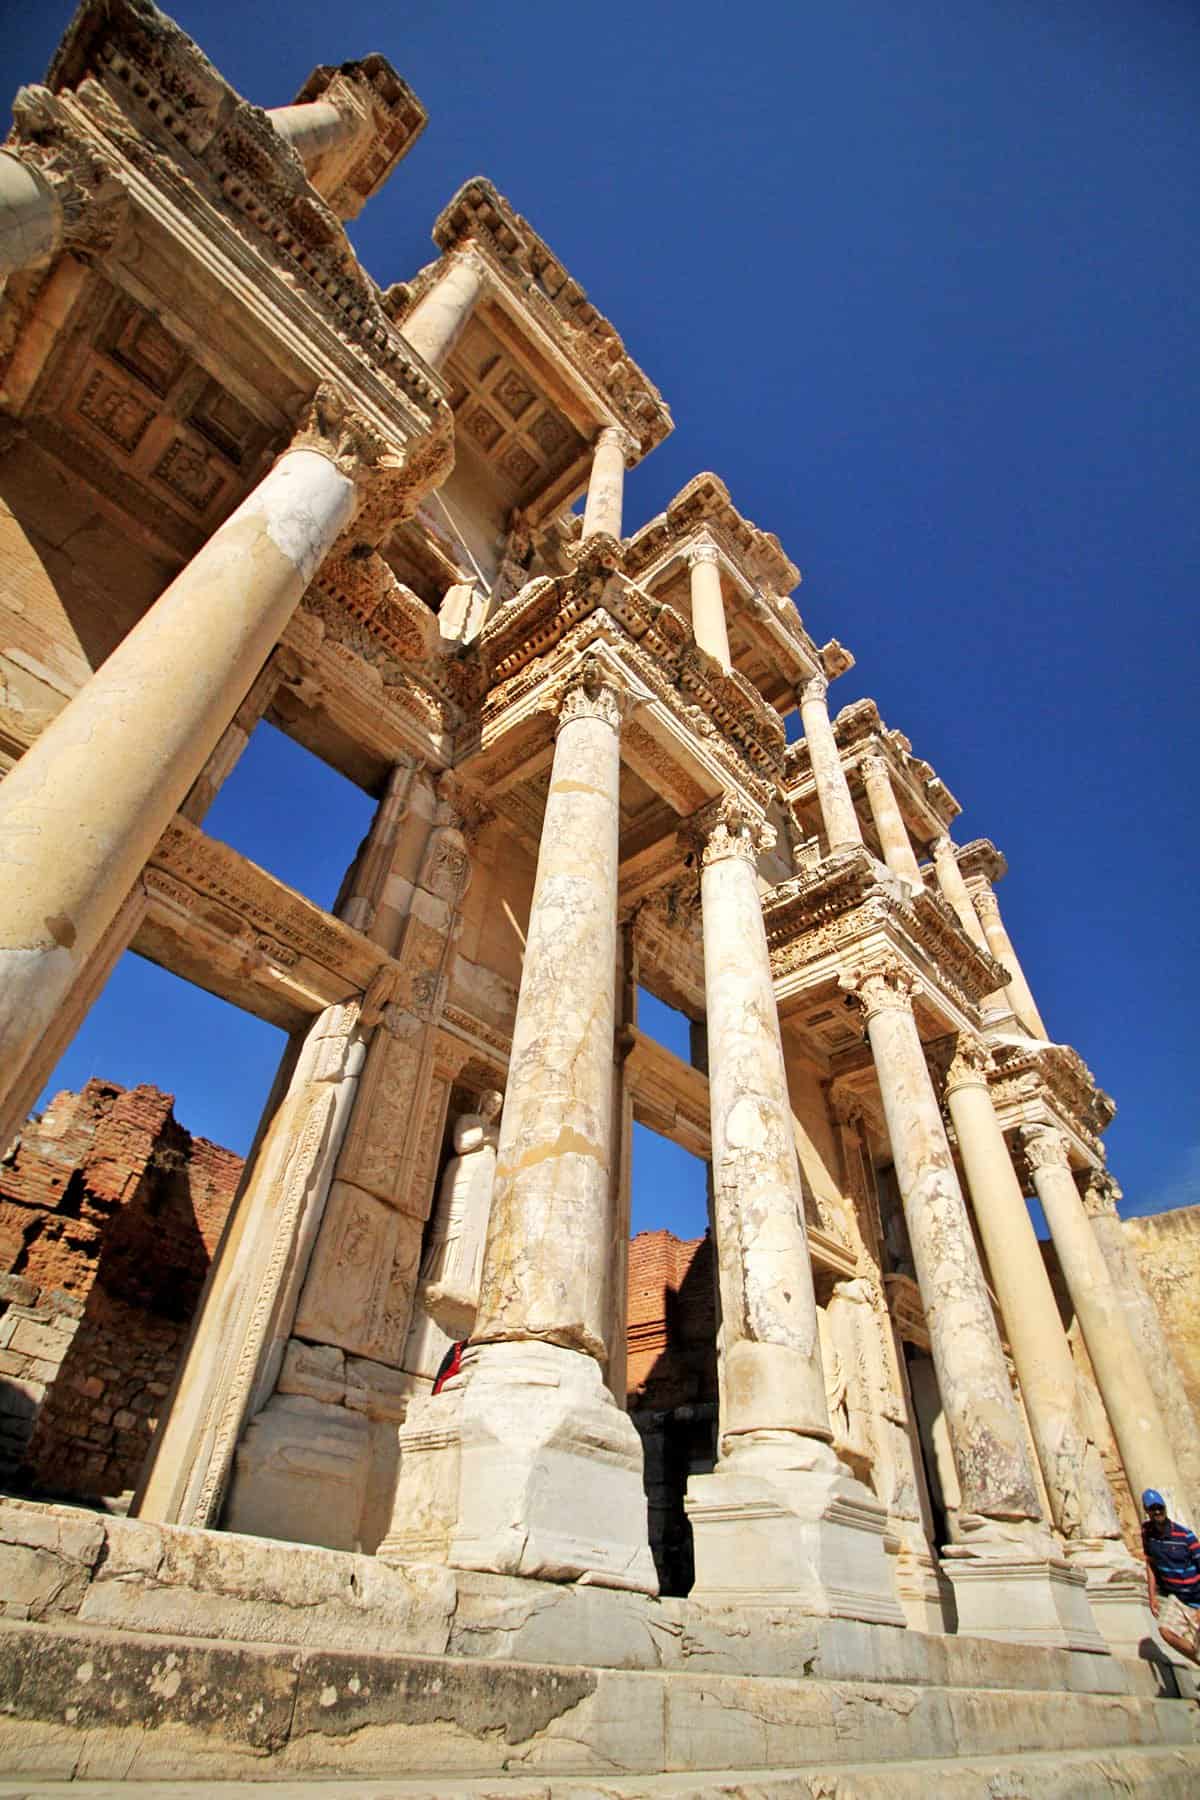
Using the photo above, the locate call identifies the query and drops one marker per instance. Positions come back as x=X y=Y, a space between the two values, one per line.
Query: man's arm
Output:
x=1151 y=1588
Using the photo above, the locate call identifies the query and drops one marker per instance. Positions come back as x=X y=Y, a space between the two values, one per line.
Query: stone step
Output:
x=1051 y=1775
x=87 y=1704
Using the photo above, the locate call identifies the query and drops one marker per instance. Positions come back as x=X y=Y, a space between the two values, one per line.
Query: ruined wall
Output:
x=109 y=1215
x=672 y=1321
x=1167 y=1245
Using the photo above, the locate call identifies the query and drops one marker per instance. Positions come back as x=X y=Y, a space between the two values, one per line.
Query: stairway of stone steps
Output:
x=1046 y=1775
x=81 y=1707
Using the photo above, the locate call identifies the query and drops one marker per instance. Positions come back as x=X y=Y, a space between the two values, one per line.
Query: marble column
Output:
x=1009 y=1580
x=954 y=889
x=436 y=322
x=606 y=488
x=981 y=1413
x=842 y=829
x=1080 y=1500
x=31 y=216
x=1125 y=1388
x=1100 y=1196
x=550 y=1480
x=893 y=833
x=780 y=1515
x=708 y=602
x=315 y=126
x=1020 y=995
x=82 y=810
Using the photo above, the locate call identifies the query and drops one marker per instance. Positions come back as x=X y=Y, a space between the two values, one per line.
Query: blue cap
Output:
x=1152 y=1497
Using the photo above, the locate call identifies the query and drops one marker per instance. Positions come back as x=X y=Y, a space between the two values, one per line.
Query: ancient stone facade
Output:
x=244 y=481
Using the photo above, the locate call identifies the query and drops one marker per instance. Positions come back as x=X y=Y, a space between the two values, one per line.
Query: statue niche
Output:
x=448 y=1283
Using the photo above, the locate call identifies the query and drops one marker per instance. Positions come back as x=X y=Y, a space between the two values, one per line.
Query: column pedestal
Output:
x=1020 y=1599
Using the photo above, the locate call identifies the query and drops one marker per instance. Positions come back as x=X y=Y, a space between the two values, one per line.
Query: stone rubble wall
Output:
x=109 y=1215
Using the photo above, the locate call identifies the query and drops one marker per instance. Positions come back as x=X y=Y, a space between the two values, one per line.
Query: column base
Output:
x=550 y=1471
x=301 y=1474
x=1011 y=1593
x=786 y=1524
x=1116 y=1590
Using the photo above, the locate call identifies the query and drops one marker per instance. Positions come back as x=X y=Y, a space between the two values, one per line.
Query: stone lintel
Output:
x=669 y=1096
x=217 y=919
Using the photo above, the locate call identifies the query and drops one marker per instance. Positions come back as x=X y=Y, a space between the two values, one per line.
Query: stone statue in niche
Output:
x=448 y=1290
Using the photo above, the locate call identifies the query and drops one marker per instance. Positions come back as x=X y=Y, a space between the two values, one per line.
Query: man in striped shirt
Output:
x=1173 y=1574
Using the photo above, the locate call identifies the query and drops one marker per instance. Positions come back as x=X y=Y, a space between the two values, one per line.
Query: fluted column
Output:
x=893 y=833
x=435 y=323
x=708 y=602
x=954 y=889
x=551 y=1467
x=1020 y=995
x=602 y=509
x=982 y=1417
x=1100 y=1196
x=842 y=829
x=1125 y=1388
x=1080 y=1499
x=773 y=1379
x=82 y=810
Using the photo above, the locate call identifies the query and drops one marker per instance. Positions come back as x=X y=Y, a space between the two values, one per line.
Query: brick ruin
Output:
x=110 y=1212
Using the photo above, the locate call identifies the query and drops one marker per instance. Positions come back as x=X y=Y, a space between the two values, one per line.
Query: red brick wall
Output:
x=672 y=1321
x=109 y=1215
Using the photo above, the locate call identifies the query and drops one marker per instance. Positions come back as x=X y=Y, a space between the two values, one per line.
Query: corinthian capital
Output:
x=1100 y=1194
x=617 y=438
x=985 y=902
x=815 y=688
x=729 y=828
x=703 y=552
x=873 y=767
x=594 y=691
x=1044 y=1147
x=82 y=190
x=880 y=987
x=969 y=1064
x=391 y=478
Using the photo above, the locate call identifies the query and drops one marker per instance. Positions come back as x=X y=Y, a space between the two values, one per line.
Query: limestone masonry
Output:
x=852 y=1506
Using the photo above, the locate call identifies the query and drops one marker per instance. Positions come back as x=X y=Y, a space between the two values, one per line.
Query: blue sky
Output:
x=919 y=282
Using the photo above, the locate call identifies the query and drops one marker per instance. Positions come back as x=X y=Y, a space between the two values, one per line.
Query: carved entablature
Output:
x=769 y=646
x=128 y=79
x=821 y=923
x=524 y=267
x=347 y=176
x=1050 y=1084
x=980 y=860
x=926 y=802
x=732 y=722
x=668 y=937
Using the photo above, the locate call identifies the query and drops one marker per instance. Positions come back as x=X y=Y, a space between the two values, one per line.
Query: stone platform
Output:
x=146 y=1653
